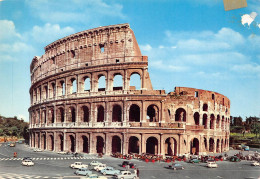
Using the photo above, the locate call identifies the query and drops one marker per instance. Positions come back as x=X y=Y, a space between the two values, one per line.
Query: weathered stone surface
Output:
x=70 y=112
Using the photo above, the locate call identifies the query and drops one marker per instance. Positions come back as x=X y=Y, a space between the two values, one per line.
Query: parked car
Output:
x=212 y=164
x=95 y=163
x=62 y=152
x=100 y=167
x=126 y=175
x=78 y=165
x=176 y=166
x=234 y=159
x=37 y=150
x=94 y=176
x=125 y=163
x=110 y=171
x=83 y=171
x=27 y=163
x=12 y=144
x=195 y=160
x=255 y=163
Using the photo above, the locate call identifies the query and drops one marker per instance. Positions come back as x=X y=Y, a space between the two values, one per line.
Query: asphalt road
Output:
x=52 y=165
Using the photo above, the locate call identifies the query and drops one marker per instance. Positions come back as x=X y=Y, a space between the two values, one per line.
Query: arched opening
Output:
x=44 y=116
x=211 y=145
x=180 y=115
x=222 y=143
x=52 y=90
x=194 y=146
x=134 y=113
x=135 y=81
x=43 y=142
x=51 y=143
x=134 y=145
x=63 y=88
x=218 y=121
x=72 y=114
x=74 y=85
x=60 y=115
x=116 y=144
x=51 y=116
x=100 y=144
x=85 y=144
x=87 y=85
x=118 y=82
x=222 y=123
x=205 y=143
x=196 y=117
x=100 y=115
x=101 y=83
x=205 y=120
x=170 y=146
x=218 y=149
x=153 y=113
x=117 y=114
x=205 y=107
x=85 y=114
x=61 y=141
x=152 y=145
x=212 y=119
x=72 y=143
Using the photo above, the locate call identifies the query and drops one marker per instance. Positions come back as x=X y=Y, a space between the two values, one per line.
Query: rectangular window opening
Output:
x=196 y=94
x=117 y=60
x=102 y=48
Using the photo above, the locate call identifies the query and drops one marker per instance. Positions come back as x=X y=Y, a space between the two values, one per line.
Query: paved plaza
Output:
x=52 y=165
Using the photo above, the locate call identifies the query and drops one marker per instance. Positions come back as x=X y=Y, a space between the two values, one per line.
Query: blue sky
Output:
x=189 y=43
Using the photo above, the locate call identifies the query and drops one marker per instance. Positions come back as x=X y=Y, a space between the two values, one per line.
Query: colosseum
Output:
x=77 y=106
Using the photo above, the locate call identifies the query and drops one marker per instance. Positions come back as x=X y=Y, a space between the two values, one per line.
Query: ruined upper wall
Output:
x=104 y=45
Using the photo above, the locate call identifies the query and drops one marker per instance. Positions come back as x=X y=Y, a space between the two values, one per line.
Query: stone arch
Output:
x=152 y=113
x=134 y=145
x=135 y=80
x=118 y=82
x=152 y=145
x=71 y=143
x=117 y=113
x=212 y=121
x=85 y=144
x=196 y=118
x=180 y=115
x=218 y=121
x=205 y=121
x=101 y=82
x=100 y=114
x=86 y=83
x=43 y=141
x=205 y=107
x=60 y=114
x=61 y=88
x=170 y=146
x=71 y=114
x=100 y=145
x=52 y=90
x=51 y=142
x=134 y=113
x=194 y=146
x=116 y=144
x=51 y=115
x=44 y=118
x=211 y=145
x=205 y=143
x=218 y=146
x=60 y=142
x=85 y=114
x=222 y=145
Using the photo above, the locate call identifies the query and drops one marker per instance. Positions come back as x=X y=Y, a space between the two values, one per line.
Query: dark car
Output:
x=176 y=166
x=125 y=163
x=195 y=160
x=234 y=159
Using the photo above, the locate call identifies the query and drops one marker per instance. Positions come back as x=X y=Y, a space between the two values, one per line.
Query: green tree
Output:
x=255 y=128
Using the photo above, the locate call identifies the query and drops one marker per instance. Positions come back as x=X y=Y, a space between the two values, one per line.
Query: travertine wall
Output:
x=69 y=111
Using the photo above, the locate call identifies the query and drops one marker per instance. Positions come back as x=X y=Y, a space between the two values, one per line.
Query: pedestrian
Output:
x=137 y=172
x=127 y=167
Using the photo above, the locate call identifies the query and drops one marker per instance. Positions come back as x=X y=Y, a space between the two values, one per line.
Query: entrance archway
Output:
x=134 y=113
x=152 y=113
x=100 y=115
x=170 y=146
x=180 y=115
x=211 y=145
x=61 y=141
x=194 y=146
x=218 y=149
x=85 y=144
x=134 y=145
x=100 y=144
x=117 y=114
x=72 y=143
x=152 y=145
x=116 y=144
x=43 y=142
x=51 y=143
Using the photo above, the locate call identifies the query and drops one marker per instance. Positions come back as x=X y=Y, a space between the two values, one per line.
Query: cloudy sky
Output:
x=189 y=43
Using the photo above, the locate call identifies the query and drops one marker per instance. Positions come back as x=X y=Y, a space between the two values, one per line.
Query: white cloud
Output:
x=247 y=68
x=8 y=31
x=169 y=67
x=49 y=33
x=76 y=11
x=21 y=116
x=146 y=47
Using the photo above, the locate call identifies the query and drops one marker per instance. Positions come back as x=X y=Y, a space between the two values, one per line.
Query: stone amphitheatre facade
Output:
x=71 y=110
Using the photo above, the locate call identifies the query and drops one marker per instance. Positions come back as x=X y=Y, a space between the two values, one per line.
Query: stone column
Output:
x=65 y=141
x=143 y=144
x=125 y=143
x=91 y=144
x=162 y=145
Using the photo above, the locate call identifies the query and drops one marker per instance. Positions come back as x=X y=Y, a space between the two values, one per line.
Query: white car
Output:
x=212 y=165
x=62 y=152
x=126 y=175
x=95 y=163
x=255 y=163
x=37 y=150
x=27 y=163
x=100 y=167
x=78 y=165
x=94 y=176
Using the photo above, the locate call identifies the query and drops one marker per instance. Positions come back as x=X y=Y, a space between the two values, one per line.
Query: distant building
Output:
x=71 y=112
